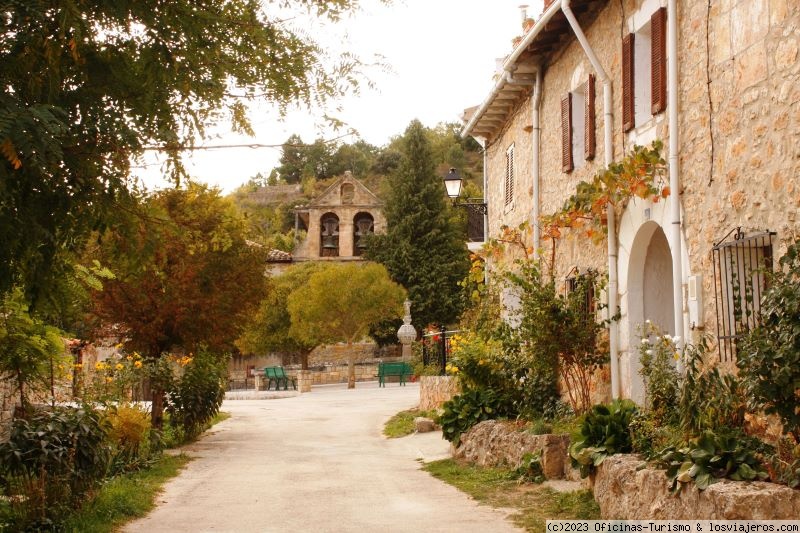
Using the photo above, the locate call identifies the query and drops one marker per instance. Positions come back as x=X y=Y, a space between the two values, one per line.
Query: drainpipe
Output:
x=484 y=144
x=674 y=178
x=536 y=102
x=608 y=129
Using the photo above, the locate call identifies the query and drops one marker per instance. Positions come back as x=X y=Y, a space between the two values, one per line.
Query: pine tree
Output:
x=421 y=249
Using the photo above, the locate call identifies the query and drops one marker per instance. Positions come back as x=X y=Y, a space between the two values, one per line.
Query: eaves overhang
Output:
x=547 y=36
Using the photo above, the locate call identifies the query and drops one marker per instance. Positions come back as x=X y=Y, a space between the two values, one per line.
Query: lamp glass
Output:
x=452 y=182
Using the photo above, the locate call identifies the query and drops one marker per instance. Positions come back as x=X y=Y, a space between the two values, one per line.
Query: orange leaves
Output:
x=638 y=175
x=10 y=153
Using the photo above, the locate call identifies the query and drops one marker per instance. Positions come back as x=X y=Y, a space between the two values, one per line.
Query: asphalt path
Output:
x=316 y=462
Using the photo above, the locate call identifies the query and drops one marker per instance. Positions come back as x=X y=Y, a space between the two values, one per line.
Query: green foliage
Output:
x=709 y=400
x=711 y=457
x=28 y=346
x=530 y=469
x=657 y=355
x=467 y=409
x=421 y=249
x=402 y=423
x=49 y=464
x=269 y=328
x=197 y=396
x=87 y=87
x=769 y=356
x=649 y=436
x=128 y=437
x=341 y=302
x=605 y=431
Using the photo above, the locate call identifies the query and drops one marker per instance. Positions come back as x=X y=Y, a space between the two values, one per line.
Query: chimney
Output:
x=524 y=13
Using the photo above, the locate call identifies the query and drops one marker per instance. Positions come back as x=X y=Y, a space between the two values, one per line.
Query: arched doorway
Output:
x=649 y=294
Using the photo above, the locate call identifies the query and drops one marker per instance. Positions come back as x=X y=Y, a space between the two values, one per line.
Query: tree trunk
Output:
x=304 y=360
x=351 y=367
x=157 y=410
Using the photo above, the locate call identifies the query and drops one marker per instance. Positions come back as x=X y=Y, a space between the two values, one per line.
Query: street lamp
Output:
x=452 y=183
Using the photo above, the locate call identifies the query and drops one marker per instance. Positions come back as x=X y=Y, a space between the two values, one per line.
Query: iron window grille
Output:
x=740 y=261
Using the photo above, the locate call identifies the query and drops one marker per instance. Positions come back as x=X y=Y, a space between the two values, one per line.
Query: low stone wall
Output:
x=435 y=390
x=499 y=443
x=624 y=492
x=337 y=373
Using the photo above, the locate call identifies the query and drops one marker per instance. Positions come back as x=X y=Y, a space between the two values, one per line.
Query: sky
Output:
x=442 y=55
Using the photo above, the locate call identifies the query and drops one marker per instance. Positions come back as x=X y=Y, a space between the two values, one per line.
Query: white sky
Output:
x=442 y=54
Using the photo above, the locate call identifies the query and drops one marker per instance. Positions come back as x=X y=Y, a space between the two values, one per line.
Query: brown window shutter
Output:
x=566 y=133
x=589 y=145
x=628 y=112
x=658 y=61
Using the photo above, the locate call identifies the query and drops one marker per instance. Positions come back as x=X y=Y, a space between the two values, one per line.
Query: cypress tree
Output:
x=421 y=249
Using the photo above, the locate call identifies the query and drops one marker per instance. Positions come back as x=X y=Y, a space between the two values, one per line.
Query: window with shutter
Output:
x=589 y=123
x=658 y=61
x=509 y=178
x=628 y=110
x=566 y=133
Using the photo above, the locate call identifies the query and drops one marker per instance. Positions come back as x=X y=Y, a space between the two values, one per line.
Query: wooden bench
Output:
x=398 y=368
x=278 y=376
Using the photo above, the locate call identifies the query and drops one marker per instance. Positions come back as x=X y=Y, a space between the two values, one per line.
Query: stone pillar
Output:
x=304 y=381
x=345 y=237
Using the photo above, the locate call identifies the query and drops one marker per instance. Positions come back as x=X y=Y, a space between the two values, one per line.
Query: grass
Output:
x=402 y=423
x=124 y=498
x=502 y=488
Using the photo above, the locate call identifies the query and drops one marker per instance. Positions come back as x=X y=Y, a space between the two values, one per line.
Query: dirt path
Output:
x=316 y=462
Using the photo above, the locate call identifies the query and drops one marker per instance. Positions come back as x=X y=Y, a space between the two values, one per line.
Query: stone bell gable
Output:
x=337 y=220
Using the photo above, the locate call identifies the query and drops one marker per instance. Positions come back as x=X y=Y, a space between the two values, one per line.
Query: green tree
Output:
x=186 y=276
x=421 y=249
x=87 y=86
x=341 y=302
x=269 y=329
x=293 y=160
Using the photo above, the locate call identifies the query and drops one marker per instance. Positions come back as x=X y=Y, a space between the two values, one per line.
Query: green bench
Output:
x=278 y=376
x=400 y=369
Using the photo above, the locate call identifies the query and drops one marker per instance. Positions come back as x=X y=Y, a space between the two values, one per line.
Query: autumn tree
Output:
x=339 y=303
x=185 y=276
x=86 y=87
x=422 y=250
x=269 y=329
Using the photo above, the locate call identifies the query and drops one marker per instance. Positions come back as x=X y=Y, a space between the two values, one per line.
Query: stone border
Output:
x=624 y=491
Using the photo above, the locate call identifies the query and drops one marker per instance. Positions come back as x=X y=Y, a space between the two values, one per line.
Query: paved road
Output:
x=316 y=463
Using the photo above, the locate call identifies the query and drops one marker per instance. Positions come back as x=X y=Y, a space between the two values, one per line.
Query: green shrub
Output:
x=712 y=457
x=50 y=462
x=467 y=409
x=130 y=427
x=197 y=396
x=657 y=355
x=605 y=431
x=709 y=400
x=769 y=356
x=530 y=469
x=649 y=437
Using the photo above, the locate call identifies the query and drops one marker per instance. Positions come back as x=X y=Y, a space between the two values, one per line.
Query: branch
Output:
x=191 y=148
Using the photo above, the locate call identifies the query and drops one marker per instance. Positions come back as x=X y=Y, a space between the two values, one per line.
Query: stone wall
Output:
x=499 y=443
x=625 y=492
x=435 y=390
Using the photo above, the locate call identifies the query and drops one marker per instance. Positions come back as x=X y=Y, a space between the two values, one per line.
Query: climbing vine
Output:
x=639 y=175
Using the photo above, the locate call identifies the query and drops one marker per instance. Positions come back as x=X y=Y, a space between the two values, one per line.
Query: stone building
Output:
x=718 y=82
x=337 y=220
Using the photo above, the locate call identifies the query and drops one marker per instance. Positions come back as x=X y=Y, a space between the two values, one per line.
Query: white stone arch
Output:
x=645 y=283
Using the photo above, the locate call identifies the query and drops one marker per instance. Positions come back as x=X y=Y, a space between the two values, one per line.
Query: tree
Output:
x=421 y=249
x=293 y=160
x=269 y=329
x=88 y=86
x=339 y=303
x=186 y=276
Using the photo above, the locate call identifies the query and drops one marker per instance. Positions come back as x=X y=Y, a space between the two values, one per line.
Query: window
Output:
x=508 y=183
x=581 y=286
x=578 y=125
x=740 y=266
x=644 y=71
x=363 y=225
x=329 y=236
